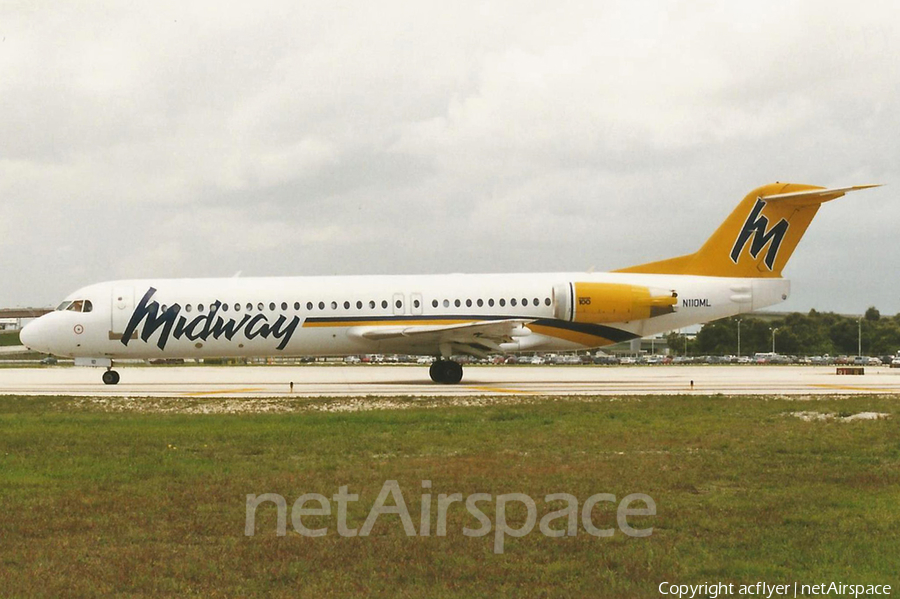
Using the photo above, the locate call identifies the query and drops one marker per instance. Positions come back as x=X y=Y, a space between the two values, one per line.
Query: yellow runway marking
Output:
x=503 y=390
x=198 y=393
x=855 y=388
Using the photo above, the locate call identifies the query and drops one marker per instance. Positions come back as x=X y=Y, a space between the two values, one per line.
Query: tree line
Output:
x=815 y=333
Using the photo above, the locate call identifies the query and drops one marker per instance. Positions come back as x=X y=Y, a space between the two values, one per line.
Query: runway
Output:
x=400 y=381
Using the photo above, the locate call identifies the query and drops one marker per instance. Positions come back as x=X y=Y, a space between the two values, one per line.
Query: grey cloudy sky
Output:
x=287 y=138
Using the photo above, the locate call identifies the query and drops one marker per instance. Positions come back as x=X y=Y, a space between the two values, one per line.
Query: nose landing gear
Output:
x=110 y=377
x=447 y=372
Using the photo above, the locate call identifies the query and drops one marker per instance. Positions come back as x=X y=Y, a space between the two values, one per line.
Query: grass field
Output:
x=137 y=503
x=9 y=338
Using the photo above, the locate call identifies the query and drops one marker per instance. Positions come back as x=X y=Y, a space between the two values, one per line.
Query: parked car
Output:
x=866 y=361
x=606 y=360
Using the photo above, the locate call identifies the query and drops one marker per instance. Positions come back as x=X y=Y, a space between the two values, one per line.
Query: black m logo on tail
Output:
x=757 y=226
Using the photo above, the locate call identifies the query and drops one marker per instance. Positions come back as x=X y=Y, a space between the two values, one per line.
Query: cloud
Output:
x=188 y=139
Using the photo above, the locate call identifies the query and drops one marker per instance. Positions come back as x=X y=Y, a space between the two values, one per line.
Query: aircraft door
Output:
x=122 y=307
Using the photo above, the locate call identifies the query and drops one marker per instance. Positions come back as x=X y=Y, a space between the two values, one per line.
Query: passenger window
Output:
x=346 y=305
x=546 y=301
x=309 y=306
x=384 y=304
x=480 y=302
x=333 y=305
x=224 y=307
x=283 y=306
x=399 y=304
x=446 y=303
x=272 y=306
x=416 y=303
x=512 y=302
x=502 y=302
x=321 y=305
x=187 y=308
x=260 y=306
x=491 y=302
x=249 y=307
x=199 y=307
x=358 y=305
x=296 y=305
x=468 y=303
x=372 y=304
x=456 y=303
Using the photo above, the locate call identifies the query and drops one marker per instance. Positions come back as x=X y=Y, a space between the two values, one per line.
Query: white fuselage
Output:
x=334 y=316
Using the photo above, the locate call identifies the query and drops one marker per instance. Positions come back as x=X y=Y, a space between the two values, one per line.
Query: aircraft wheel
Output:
x=447 y=372
x=454 y=372
x=435 y=371
x=110 y=377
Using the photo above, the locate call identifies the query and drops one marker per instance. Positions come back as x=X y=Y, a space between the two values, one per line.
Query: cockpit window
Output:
x=77 y=306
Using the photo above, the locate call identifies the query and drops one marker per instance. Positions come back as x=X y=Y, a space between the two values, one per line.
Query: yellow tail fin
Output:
x=757 y=238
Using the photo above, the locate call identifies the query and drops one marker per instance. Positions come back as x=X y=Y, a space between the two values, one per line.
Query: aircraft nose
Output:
x=33 y=336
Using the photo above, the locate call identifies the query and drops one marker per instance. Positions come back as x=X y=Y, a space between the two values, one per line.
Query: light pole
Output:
x=775 y=330
x=739 y=337
x=859 y=337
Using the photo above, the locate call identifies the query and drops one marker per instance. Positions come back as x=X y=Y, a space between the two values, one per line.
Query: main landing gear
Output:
x=447 y=372
x=110 y=377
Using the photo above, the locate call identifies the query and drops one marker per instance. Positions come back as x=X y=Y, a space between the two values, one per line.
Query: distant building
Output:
x=655 y=345
x=13 y=319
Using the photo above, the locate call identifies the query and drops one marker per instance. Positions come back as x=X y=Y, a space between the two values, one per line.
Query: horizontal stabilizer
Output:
x=816 y=196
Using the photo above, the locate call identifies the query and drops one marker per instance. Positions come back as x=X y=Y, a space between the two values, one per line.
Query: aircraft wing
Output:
x=475 y=338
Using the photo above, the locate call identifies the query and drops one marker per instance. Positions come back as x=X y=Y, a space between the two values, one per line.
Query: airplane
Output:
x=737 y=270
